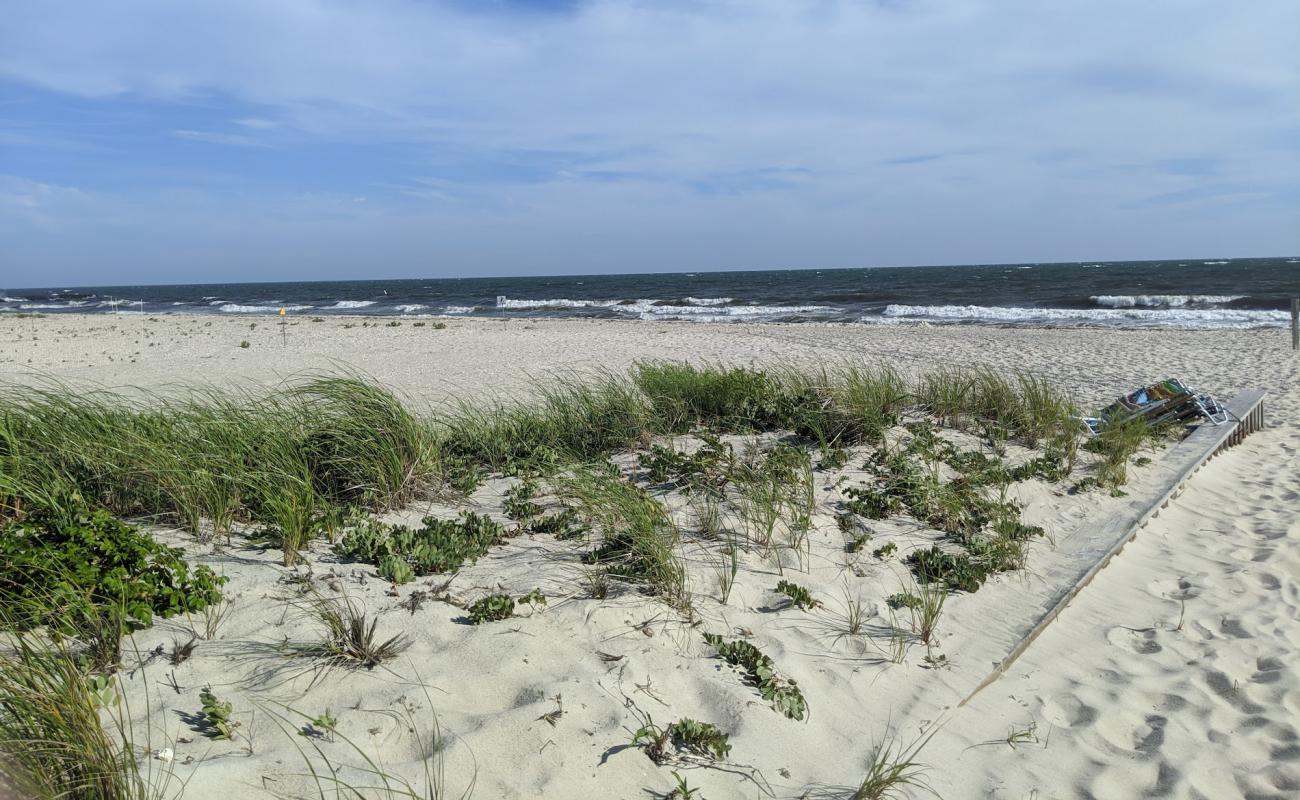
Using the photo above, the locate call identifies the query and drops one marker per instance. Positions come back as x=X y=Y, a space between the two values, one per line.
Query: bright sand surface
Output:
x=1172 y=674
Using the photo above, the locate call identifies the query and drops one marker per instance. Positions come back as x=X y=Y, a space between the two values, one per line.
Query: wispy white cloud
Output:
x=723 y=124
x=217 y=137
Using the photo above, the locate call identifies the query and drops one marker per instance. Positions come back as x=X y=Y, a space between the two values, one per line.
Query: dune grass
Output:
x=53 y=743
x=296 y=459
x=893 y=770
x=575 y=419
x=638 y=541
x=281 y=459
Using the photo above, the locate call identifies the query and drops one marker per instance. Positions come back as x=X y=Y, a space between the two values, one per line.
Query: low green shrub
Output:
x=519 y=504
x=957 y=571
x=707 y=468
x=54 y=568
x=872 y=502
x=698 y=738
x=563 y=525
x=903 y=600
x=395 y=570
x=217 y=715
x=493 y=608
x=798 y=595
x=440 y=546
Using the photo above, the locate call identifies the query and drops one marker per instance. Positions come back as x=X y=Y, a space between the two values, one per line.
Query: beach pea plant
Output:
x=958 y=571
x=798 y=595
x=519 y=504
x=217 y=713
x=782 y=693
x=705 y=469
x=441 y=545
x=493 y=608
x=697 y=738
x=562 y=525
x=77 y=564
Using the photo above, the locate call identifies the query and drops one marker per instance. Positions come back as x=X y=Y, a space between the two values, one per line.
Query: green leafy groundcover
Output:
x=56 y=565
x=403 y=554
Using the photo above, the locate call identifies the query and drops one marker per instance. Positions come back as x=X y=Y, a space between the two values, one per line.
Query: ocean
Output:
x=1232 y=293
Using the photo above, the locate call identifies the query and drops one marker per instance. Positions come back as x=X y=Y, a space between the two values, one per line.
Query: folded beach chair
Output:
x=1170 y=400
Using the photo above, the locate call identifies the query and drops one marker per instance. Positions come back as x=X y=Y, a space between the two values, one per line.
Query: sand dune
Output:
x=1171 y=675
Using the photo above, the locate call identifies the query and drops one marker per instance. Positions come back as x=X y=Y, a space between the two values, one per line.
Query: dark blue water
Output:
x=1238 y=293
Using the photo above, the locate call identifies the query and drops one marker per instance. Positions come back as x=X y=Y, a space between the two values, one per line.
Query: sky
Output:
x=166 y=142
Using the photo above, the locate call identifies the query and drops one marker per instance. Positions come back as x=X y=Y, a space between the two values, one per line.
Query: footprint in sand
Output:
x=1231 y=692
x=1233 y=628
x=1068 y=711
x=1180 y=589
x=1267 y=670
x=1130 y=733
x=1143 y=642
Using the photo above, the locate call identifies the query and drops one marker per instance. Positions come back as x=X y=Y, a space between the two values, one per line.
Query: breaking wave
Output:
x=712 y=309
x=1153 y=318
x=1163 y=300
x=51 y=306
x=235 y=308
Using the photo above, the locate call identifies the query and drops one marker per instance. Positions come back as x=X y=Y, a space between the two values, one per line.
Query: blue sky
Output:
x=316 y=139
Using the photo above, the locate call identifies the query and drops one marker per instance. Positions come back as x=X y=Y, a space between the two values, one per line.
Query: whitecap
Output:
x=235 y=308
x=708 y=301
x=523 y=305
x=1156 y=318
x=51 y=306
x=702 y=309
x=1162 y=300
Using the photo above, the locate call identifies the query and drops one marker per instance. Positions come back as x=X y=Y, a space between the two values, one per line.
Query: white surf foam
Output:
x=704 y=310
x=1162 y=300
x=524 y=305
x=727 y=314
x=51 y=306
x=349 y=304
x=707 y=301
x=410 y=307
x=235 y=308
x=458 y=310
x=1161 y=318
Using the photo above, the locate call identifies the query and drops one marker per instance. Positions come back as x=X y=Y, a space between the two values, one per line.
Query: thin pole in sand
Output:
x=284 y=332
x=1295 y=323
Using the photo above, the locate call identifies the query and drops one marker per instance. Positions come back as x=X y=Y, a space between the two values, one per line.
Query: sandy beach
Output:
x=1171 y=675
